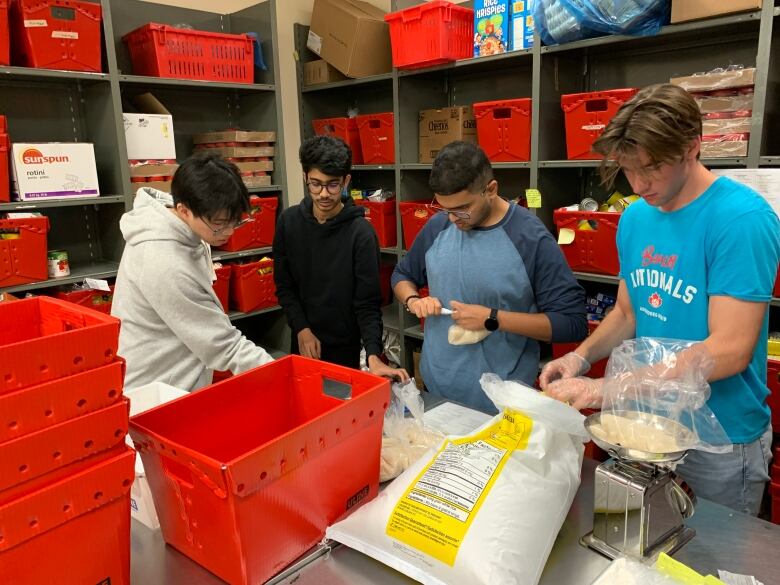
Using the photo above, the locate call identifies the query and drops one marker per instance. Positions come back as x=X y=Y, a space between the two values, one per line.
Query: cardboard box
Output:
x=492 y=21
x=711 y=104
x=522 y=25
x=255 y=166
x=149 y=131
x=164 y=186
x=320 y=71
x=440 y=127
x=55 y=170
x=234 y=136
x=261 y=181
x=726 y=126
x=724 y=148
x=352 y=36
x=153 y=170
x=712 y=81
x=684 y=10
x=242 y=151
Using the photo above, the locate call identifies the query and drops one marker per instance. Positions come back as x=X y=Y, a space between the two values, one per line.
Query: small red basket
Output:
x=5 y=175
x=776 y=291
x=23 y=246
x=222 y=285
x=377 y=138
x=344 y=128
x=430 y=34
x=587 y=114
x=504 y=129
x=67 y=35
x=159 y=50
x=414 y=215
x=252 y=286
x=381 y=215
x=593 y=250
x=773 y=400
x=99 y=300
x=260 y=231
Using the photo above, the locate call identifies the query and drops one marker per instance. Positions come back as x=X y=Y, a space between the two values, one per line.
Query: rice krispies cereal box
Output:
x=491 y=27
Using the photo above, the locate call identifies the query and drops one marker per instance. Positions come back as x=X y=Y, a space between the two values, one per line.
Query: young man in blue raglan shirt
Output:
x=698 y=258
x=498 y=269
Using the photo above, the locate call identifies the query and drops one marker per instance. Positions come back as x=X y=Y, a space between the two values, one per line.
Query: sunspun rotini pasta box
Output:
x=491 y=27
x=55 y=170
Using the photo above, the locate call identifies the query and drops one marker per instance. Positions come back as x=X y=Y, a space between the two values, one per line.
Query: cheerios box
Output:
x=55 y=170
x=491 y=27
x=522 y=15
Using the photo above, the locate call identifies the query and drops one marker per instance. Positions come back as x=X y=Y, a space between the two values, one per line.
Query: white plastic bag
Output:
x=483 y=509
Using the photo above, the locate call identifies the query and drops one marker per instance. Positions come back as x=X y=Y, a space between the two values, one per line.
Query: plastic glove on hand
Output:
x=569 y=366
x=578 y=392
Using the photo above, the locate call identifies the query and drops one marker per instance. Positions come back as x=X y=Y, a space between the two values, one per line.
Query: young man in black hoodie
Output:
x=326 y=266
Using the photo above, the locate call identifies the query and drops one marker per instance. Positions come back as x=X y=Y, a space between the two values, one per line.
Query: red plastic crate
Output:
x=44 y=339
x=344 y=128
x=259 y=232
x=39 y=453
x=247 y=474
x=159 y=50
x=598 y=369
x=381 y=215
x=5 y=36
x=504 y=129
x=377 y=138
x=414 y=215
x=70 y=39
x=432 y=33
x=45 y=405
x=592 y=250
x=587 y=114
x=385 y=275
x=774 y=473
x=23 y=260
x=99 y=300
x=73 y=530
x=222 y=285
x=773 y=400
x=774 y=492
x=776 y=291
x=250 y=289
x=5 y=174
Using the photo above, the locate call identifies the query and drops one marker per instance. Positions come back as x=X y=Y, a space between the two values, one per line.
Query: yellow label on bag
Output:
x=437 y=509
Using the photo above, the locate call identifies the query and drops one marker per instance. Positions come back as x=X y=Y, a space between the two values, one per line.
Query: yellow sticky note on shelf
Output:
x=565 y=236
x=534 y=198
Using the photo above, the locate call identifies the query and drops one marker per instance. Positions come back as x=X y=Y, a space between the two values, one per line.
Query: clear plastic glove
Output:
x=569 y=366
x=580 y=392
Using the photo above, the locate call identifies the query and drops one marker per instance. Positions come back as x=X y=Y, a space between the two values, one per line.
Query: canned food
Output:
x=58 y=263
x=604 y=207
x=586 y=225
x=589 y=204
x=618 y=206
x=617 y=195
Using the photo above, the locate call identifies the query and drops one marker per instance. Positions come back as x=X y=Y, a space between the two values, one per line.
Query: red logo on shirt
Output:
x=655 y=300
x=649 y=257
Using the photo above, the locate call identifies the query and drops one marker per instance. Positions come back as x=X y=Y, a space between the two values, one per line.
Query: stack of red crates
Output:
x=5 y=149
x=65 y=472
x=344 y=128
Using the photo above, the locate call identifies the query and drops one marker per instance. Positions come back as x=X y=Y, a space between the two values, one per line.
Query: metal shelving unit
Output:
x=52 y=105
x=545 y=74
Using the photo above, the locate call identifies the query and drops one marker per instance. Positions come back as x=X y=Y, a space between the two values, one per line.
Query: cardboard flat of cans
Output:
x=234 y=136
x=55 y=170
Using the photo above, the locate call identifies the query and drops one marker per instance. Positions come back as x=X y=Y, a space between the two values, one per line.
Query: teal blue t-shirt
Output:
x=724 y=243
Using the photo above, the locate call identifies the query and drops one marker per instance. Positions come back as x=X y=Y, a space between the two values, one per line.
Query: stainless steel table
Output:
x=724 y=540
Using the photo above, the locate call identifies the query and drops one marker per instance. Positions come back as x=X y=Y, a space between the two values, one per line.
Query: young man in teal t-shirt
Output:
x=698 y=258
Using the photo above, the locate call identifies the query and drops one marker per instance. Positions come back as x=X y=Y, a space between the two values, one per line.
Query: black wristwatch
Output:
x=491 y=323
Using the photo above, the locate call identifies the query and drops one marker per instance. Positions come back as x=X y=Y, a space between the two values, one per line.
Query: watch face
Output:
x=491 y=324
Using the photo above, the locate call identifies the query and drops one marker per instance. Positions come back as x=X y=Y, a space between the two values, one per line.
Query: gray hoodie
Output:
x=173 y=327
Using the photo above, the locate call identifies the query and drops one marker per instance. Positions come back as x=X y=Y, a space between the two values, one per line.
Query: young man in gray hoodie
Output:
x=173 y=327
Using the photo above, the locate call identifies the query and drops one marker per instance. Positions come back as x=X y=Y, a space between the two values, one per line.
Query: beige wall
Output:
x=288 y=12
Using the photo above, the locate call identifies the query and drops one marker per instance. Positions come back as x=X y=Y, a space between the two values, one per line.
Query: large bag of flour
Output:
x=482 y=509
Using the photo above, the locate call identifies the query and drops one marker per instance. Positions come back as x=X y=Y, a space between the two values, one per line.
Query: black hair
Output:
x=328 y=154
x=209 y=185
x=460 y=166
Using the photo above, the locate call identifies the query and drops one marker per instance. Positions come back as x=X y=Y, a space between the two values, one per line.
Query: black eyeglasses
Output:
x=333 y=187
x=233 y=225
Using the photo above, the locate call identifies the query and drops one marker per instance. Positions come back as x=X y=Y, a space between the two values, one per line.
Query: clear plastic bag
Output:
x=405 y=438
x=563 y=21
x=655 y=398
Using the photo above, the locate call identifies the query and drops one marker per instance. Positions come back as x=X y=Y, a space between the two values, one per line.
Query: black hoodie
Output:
x=327 y=275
